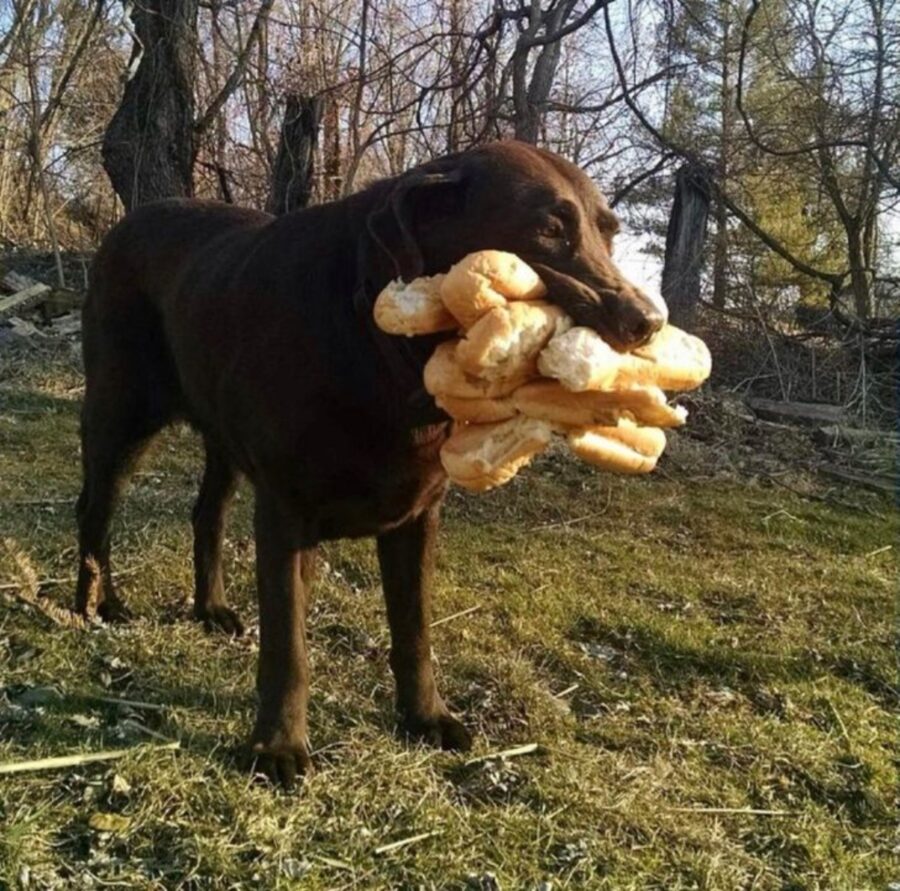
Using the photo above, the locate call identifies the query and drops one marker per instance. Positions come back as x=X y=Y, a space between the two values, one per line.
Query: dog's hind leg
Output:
x=113 y=434
x=216 y=489
x=131 y=393
x=406 y=557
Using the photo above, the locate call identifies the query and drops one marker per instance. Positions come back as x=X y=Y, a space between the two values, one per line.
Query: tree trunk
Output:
x=720 y=254
x=331 y=139
x=292 y=177
x=685 y=240
x=860 y=276
x=148 y=148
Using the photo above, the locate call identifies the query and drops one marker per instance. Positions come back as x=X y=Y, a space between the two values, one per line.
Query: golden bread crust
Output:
x=487 y=279
x=506 y=341
x=581 y=360
x=444 y=376
x=624 y=448
x=549 y=401
x=413 y=308
x=479 y=457
x=477 y=411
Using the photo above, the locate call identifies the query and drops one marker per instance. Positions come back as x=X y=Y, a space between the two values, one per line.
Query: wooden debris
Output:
x=23 y=298
x=855 y=435
x=24 y=328
x=405 y=842
x=128 y=703
x=82 y=758
x=867 y=481
x=459 y=615
x=527 y=749
x=60 y=302
x=68 y=324
x=15 y=281
x=811 y=413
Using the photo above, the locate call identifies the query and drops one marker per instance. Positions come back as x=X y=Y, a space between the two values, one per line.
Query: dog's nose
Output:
x=635 y=319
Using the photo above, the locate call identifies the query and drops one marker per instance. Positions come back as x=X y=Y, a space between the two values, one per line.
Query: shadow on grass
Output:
x=670 y=665
x=34 y=402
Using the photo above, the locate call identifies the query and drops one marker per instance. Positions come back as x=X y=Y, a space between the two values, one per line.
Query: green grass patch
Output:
x=678 y=649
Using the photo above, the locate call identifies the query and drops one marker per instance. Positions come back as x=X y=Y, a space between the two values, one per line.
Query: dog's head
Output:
x=514 y=197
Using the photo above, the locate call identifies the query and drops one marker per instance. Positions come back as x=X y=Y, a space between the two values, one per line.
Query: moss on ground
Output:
x=671 y=645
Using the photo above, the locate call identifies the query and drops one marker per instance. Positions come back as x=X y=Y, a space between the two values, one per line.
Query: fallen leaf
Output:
x=103 y=822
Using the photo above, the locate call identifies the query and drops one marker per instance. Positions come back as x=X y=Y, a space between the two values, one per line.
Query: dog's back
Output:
x=140 y=263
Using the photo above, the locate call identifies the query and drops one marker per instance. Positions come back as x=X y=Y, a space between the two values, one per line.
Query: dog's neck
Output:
x=371 y=269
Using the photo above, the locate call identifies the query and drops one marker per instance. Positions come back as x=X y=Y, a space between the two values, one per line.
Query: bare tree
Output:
x=148 y=149
x=292 y=178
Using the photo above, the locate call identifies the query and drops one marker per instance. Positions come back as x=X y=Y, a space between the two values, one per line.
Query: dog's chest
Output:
x=377 y=496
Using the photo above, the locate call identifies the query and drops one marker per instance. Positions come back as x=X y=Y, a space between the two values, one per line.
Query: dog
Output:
x=258 y=331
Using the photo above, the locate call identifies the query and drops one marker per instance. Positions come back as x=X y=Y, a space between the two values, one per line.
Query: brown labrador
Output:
x=258 y=331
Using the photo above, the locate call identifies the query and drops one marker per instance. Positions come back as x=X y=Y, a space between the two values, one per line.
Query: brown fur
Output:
x=258 y=331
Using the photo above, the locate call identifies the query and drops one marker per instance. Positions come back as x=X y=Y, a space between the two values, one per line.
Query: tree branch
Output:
x=240 y=66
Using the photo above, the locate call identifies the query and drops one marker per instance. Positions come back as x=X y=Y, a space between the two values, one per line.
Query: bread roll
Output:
x=481 y=456
x=444 y=376
x=625 y=448
x=506 y=340
x=682 y=361
x=477 y=411
x=551 y=402
x=413 y=308
x=486 y=279
x=581 y=360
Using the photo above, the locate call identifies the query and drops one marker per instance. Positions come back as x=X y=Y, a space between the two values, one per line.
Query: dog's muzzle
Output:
x=624 y=317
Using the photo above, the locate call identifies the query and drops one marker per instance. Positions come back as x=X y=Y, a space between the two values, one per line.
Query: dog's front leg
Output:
x=279 y=744
x=406 y=557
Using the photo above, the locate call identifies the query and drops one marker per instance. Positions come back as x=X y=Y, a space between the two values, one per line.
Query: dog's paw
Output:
x=221 y=618
x=279 y=762
x=442 y=731
x=113 y=611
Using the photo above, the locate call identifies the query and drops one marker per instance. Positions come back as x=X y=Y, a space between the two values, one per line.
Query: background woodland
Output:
x=761 y=136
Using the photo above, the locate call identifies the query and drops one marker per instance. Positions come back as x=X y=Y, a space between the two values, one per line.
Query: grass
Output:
x=673 y=645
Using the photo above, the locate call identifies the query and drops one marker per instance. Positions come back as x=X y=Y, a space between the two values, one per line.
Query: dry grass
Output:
x=685 y=653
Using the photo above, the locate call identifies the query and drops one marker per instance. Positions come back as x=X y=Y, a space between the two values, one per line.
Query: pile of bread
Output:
x=519 y=372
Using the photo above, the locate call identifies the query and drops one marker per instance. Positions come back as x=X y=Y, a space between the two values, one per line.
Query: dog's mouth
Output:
x=624 y=317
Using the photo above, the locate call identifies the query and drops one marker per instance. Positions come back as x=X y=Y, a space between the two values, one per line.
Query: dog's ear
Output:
x=416 y=197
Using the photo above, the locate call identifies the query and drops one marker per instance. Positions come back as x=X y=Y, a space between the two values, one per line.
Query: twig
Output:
x=136 y=725
x=30 y=502
x=779 y=513
x=878 y=551
x=527 y=749
x=756 y=812
x=82 y=758
x=331 y=861
x=405 y=842
x=841 y=725
x=824 y=499
x=128 y=703
x=459 y=615
x=566 y=692
x=564 y=524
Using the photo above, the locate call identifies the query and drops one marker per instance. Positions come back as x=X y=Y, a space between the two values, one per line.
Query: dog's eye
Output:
x=554 y=229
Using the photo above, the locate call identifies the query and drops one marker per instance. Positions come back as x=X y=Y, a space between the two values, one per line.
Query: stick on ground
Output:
x=404 y=842
x=527 y=749
x=81 y=758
